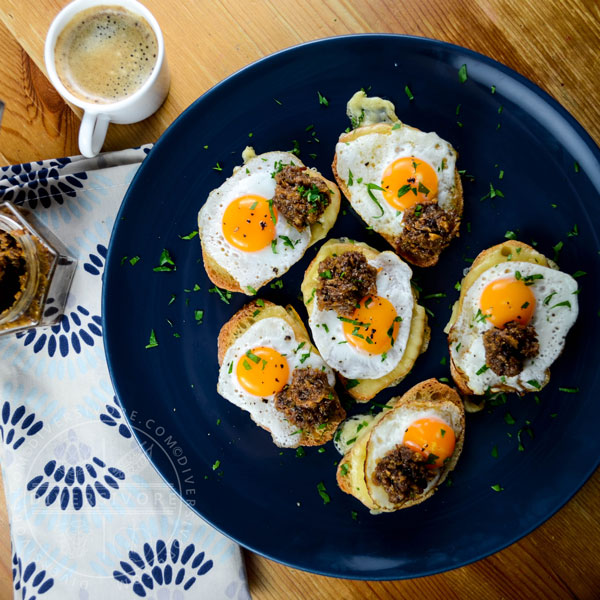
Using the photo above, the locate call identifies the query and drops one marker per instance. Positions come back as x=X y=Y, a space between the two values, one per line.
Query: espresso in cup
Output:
x=105 y=54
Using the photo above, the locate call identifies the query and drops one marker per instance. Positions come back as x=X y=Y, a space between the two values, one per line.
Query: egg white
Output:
x=271 y=332
x=393 y=284
x=368 y=156
x=389 y=433
x=551 y=323
x=251 y=269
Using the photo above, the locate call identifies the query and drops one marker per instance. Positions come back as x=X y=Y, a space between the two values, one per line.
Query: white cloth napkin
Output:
x=90 y=517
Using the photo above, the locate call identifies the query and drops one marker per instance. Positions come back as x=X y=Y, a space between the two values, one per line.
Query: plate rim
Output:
x=542 y=94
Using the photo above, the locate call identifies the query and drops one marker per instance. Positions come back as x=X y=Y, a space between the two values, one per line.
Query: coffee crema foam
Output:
x=105 y=54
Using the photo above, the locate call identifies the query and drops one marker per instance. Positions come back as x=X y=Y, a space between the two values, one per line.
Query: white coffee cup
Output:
x=131 y=109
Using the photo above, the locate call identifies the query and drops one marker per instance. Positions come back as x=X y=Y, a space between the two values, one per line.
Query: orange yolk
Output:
x=249 y=223
x=431 y=437
x=373 y=326
x=408 y=181
x=507 y=299
x=262 y=371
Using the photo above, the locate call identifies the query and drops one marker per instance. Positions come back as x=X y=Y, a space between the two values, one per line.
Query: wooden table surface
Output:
x=555 y=43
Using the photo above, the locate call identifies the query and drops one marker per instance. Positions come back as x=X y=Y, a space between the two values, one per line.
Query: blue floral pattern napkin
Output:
x=90 y=517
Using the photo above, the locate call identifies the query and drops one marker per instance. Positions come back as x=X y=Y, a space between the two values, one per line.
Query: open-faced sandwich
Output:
x=510 y=321
x=269 y=368
x=402 y=181
x=407 y=451
x=363 y=315
x=261 y=220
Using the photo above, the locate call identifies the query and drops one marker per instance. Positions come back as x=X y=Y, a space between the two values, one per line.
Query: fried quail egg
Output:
x=523 y=292
x=241 y=229
x=371 y=342
x=392 y=168
x=258 y=365
x=429 y=431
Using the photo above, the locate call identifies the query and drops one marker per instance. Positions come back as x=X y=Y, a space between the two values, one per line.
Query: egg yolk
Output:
x=408 y=181
x=431 y=437
x=249 y=223
x=262 y=371
x=373 y=326
x=507 y=299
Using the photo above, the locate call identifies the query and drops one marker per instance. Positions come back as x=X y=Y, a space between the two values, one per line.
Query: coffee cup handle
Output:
x=92 y=133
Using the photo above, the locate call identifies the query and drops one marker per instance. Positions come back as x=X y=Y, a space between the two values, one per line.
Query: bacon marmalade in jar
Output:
x=35 y=272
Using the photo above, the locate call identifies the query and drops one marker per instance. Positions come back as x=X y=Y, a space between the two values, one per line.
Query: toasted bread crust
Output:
x=486 y=259
x=419 y=335
x=352 y=478
x=457 y=201
x=242 y=320
x=223 y=279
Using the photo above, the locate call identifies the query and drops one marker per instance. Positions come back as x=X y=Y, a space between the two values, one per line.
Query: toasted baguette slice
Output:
x=224 y=279
x=509 y=251
x=376 y=116
x=355 y=470
x=363 y=390
x=240 y=323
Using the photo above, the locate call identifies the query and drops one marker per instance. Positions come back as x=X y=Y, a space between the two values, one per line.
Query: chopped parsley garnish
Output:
x=576 y=167
x=189 y=236
x=322 y=100
x=557 y=248
x=408 y=93
x=217 y=167
x=497 y=487
x=482 y=370
x=458 y=109
x=436 y=295
x=172 y=299
x=548 y=298
x=574 y=232
x=326 y=274
x=493 y=193
x=152 y=342
x=165 y=262
x=344 y=469
x=133 y=260
x=510 y=235
x=563 y=303
x=323 y=492
x=395 y=126
x=251 y=290
x=404 y=189
x=300 y=452
x=287 y=241
x=277 y=284
x=260 y=302
x=216 y=465
x=350 y=178
x=494 y=452
x=351 y=383
x=422 y=189
x=225 y=295
x=198 y=315
x=252 y=356
x=578 y=274
x=278 y=101
x=370 y=188
x=462 y=74
x=230 y=370
x=509 y=419
x=273 y=218
x=534 y=383
x=568 y=390
x=274 y=246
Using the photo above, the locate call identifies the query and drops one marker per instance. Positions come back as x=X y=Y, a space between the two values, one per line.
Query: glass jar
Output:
x=35 y=272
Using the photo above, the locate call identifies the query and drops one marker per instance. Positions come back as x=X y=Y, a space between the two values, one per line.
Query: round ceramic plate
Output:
x=529 y=168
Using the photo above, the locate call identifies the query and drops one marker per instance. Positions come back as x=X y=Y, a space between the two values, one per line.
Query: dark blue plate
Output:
x=514 y=139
